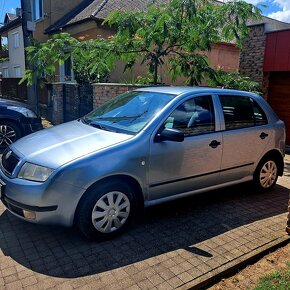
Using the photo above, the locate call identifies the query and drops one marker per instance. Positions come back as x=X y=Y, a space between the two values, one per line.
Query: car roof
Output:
x=178 y=90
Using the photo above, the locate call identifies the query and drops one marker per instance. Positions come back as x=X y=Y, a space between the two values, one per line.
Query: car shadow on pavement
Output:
x=61 y=252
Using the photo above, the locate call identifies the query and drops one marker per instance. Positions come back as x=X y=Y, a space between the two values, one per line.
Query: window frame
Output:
x=35 y=17
x=216 y=116
x=16 y=44
x=5 y=69
x=252 y=101
x=17 y=67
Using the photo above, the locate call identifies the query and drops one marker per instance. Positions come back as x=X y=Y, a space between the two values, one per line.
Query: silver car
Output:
x=142 y=148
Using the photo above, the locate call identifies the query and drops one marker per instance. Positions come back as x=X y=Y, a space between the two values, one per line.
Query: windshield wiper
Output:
x=102 y=127
x=121 y=118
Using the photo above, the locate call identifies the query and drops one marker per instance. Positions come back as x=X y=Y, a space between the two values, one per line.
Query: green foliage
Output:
x=142 y=80
x=92 y=60
x=178 y=32
x=4 y=53
x=233 y=80
x=277 y=281
x=175 y=32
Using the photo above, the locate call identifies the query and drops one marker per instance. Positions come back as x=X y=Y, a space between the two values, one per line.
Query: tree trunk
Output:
x=155 y=80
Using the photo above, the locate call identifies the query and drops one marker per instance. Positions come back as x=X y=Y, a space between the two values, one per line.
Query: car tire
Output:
x=106 y=210
x=266 y=174
x=9 y=133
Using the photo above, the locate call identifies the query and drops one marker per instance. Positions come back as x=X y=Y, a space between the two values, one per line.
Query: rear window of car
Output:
x=242 y=112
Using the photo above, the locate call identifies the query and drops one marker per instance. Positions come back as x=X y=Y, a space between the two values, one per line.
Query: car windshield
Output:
x=129 y=112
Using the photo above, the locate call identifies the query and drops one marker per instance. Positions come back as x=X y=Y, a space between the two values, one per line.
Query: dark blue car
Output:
x=16 y=121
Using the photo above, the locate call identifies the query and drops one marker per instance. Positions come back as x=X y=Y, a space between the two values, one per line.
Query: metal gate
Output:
x=77 y=101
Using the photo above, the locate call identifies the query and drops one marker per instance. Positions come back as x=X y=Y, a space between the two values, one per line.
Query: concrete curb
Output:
x=232 y=267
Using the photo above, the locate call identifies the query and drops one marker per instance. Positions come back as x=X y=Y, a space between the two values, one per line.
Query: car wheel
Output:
x=9 y=133
x=106 y=210
x=266 y=174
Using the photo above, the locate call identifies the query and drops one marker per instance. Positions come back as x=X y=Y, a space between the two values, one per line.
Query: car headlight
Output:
x=24 y=111
x=34 y=172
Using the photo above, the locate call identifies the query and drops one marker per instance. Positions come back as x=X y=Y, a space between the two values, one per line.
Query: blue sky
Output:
x=8 y=6
x=278 y=9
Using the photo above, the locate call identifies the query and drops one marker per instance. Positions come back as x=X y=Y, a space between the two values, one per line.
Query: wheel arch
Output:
x=278 y=157
x=124 y=178
x=14 y=121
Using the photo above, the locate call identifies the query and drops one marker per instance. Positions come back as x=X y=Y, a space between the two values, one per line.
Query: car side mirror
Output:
x=168 y=134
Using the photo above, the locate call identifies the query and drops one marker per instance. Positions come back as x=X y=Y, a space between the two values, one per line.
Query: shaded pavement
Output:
x=175 y=245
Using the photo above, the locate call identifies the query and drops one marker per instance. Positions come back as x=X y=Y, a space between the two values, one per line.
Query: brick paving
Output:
x=176 y=245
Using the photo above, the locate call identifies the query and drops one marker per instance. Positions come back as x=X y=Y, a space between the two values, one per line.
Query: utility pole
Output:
x=32 y=95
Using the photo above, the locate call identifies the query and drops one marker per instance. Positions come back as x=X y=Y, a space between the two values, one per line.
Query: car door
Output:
x=245 y=136
x=180 y=167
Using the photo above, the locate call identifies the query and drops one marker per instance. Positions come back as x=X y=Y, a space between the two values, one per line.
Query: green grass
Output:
x=279 y=280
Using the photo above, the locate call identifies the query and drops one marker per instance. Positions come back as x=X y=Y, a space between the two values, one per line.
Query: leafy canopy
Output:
x=174 y=34
x=178 y=32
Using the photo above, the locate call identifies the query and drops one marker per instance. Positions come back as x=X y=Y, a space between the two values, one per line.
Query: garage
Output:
x=277 y=66
x=279 y=98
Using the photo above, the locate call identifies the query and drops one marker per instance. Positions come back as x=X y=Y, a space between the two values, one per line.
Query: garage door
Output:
x=279 y=98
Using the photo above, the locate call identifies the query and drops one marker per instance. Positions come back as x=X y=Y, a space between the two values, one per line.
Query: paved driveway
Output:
x=175 y=245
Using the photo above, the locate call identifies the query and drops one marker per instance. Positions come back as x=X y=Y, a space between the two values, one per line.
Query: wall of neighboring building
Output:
x=222 y=56
x=53 y=11
x=16 y=63
x=252 y=54
x=89 y=30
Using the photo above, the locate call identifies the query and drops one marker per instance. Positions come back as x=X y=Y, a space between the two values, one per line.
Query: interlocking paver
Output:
x=177 y=243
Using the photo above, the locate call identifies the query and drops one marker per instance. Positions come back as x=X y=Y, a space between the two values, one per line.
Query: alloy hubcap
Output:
x=268 y=174
x=111 y=212
x=7 y=135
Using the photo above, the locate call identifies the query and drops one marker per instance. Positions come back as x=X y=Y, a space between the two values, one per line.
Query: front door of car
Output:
x=245 y=136
x=180 y=167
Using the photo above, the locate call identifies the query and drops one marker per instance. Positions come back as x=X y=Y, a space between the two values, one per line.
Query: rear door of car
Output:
x=246 y=133
x=179 y=167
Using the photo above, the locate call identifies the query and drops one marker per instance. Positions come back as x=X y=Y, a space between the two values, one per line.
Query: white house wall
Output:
x=16 y=55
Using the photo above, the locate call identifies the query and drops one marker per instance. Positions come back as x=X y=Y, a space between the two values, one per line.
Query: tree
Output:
x=178 y=32
x=91 y=59
x=233 y=80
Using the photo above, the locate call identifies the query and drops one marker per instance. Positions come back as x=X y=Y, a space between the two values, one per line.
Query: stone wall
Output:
x=252 y=54
x=59 y=112
x=57 y=116
x=106 y=91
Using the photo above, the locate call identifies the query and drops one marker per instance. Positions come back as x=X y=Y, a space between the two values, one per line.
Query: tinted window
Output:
x=259 y=115
x=193 y=117
x=238 y=112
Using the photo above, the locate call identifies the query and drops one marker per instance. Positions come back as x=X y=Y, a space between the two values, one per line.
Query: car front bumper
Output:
x=42 y=203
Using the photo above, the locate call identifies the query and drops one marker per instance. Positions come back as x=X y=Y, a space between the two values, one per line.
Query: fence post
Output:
x=0 y=84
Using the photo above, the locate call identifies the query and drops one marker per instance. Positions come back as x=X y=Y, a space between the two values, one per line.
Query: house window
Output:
x=16 y=40
x=37 y=9
x=17 y=71
x=66 y=71
x=5 y=72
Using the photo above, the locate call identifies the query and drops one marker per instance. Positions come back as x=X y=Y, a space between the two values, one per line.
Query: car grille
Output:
x=9 y=161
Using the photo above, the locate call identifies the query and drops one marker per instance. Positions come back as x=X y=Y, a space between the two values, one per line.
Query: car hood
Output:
x=61 y=144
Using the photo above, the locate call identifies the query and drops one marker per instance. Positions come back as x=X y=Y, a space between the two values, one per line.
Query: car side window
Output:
x=238 y=112
x=193 y=117
x=259 y=115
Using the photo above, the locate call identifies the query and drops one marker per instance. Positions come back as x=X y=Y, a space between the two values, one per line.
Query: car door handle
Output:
x=214 y=144
x=263 y=135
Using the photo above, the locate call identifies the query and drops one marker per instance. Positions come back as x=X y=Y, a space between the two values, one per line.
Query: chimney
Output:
x=18 y=12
